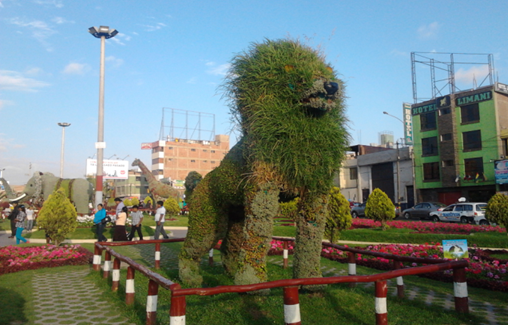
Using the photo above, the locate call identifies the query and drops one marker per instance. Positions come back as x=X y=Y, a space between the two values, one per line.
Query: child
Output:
x=20 y=220
x=137 y=219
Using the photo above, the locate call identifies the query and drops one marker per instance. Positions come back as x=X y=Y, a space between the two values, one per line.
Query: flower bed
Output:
x=15 y=259
x=428 y=227
x=483 y=271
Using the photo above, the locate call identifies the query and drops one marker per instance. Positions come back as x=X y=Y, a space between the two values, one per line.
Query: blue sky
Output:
x=175 y=54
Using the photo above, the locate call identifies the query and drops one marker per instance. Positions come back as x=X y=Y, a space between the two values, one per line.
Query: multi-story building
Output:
x=175 y=158
x=458 y=139
x=367 y=167
x=135 y=186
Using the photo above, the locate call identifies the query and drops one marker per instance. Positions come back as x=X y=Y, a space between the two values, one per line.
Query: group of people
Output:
x=120 y=218
x=21 y=218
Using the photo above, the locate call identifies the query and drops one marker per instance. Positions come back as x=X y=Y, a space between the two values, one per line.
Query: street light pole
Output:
x=103 y=32
x=63 y=125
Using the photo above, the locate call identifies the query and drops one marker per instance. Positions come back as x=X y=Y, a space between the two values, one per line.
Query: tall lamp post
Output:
x=103 y=32
x=398 y=159
x=63 y=125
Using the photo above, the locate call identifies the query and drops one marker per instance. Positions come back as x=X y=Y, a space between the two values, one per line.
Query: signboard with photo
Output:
x=456 y=248
x=113 y=169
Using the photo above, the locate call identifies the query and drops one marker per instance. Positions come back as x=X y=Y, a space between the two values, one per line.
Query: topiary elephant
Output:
x=78 y=190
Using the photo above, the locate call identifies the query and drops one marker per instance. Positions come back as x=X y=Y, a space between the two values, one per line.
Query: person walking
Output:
x=120 y=234
x=12 y=217
x=99 y=220
x=159 y=219
x=20 y=222
x=29 y=218
x=119 y=206
x=137 y=219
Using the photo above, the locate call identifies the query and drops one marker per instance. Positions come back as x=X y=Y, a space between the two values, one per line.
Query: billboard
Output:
x=113 y=169
x=146 y=145
x=501 y=171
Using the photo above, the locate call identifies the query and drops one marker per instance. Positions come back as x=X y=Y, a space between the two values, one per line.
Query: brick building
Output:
x=175 y=158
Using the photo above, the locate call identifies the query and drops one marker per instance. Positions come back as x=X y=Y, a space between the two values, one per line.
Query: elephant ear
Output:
x=38 y=184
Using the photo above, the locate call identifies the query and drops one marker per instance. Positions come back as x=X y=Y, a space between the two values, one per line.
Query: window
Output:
x=204 y=150
x=193 y=150
x=192 y=161
x=213 y=162
x=472 y=140
x=431 y=171
x=429 y=146
x=444 y=111
x=473 y=166
x=446 y=137
x=470 y=113
x=447 y=163
x=428 y=121
x=213 y=151
x=138 y=178
x=353 y=173
x=170 y=148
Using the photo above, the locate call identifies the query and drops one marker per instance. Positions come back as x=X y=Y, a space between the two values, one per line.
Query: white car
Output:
x=467 y=212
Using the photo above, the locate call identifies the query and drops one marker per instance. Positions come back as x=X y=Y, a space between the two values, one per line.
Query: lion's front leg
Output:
x=261 y=207
x=310 y=226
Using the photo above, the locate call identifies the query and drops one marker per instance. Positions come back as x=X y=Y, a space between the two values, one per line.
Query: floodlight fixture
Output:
x=103 y=31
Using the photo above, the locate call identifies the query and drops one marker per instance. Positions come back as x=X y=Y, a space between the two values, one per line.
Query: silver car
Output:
x=422 y=210
x=467 y=212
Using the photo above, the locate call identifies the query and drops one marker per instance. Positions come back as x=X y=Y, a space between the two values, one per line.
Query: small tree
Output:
x=191 y=181
x=339 y=215
x=171 y=206
x=127 y=202
x=289 y=209
x=135 y=201
x=379 y=207
x=58 y=217
x=497 y=210
x=148 y=201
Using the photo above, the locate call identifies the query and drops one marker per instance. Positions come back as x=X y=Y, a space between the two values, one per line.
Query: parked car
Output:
x=468 y=212
x=358 y=210
x=422 y=210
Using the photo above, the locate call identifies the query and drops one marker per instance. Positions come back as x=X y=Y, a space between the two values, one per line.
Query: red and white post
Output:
x=151 y=303
x=177 y=309
x=381 y=309
x=129 y=286
x=291 y=306
x=285 y=255
x=116 y=275
x=210 y=257
x=106 y=269
x=351 y=260
x=157 y=256
x=97 y=256
x=400 y=280
x=460 y=290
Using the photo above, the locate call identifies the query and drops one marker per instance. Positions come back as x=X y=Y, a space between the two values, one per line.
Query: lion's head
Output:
x=289 y=105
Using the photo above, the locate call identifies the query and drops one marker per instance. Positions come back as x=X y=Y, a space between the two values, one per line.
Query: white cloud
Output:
x=76 y=68
x=6 y=143
x=153 y=27
x=210 y=63
x=39 y=29
x=467 y=76
x=429 y=31
x=60 y=20
x=114 y=62
x=4 y=103
x=12 y=80
x=56 y=3
x=33 y=71
x=192 y=81
x=221 y=70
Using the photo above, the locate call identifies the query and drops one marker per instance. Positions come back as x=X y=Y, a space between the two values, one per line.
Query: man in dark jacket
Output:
x=12 y=217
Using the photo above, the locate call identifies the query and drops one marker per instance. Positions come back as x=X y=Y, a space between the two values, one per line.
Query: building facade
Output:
x=176 y=158
x=366 y=168
x=135 y=186
x=458 y=139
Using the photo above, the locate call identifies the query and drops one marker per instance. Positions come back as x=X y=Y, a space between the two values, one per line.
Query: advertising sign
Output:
x=501 y=171
x=408 y=124
x=113 y=169
x=146 y=146
x=179 y=184
x=456 y=248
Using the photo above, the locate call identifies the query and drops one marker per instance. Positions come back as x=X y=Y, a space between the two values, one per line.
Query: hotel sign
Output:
x=466 y=100
x=438 y=103
x=408 y=123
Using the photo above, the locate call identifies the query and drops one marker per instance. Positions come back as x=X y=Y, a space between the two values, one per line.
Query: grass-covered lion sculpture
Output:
x=289 y=105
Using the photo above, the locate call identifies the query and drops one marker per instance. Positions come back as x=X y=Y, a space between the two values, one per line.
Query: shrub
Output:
x=497 y=209
x=191 y=181
x=171 y=206
x=288 y=210
x=127 y=202
x=148 y=200
x=135 y=201
x=339 y=215
x=379 y=207
x=57 y=217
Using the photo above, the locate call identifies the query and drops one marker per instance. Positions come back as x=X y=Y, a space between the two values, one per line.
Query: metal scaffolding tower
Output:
x=189 y=125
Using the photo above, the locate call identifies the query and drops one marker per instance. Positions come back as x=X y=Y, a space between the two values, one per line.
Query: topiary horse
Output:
x=289 y=106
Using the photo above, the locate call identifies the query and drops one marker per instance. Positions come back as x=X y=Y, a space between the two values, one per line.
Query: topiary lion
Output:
x=289 y=106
